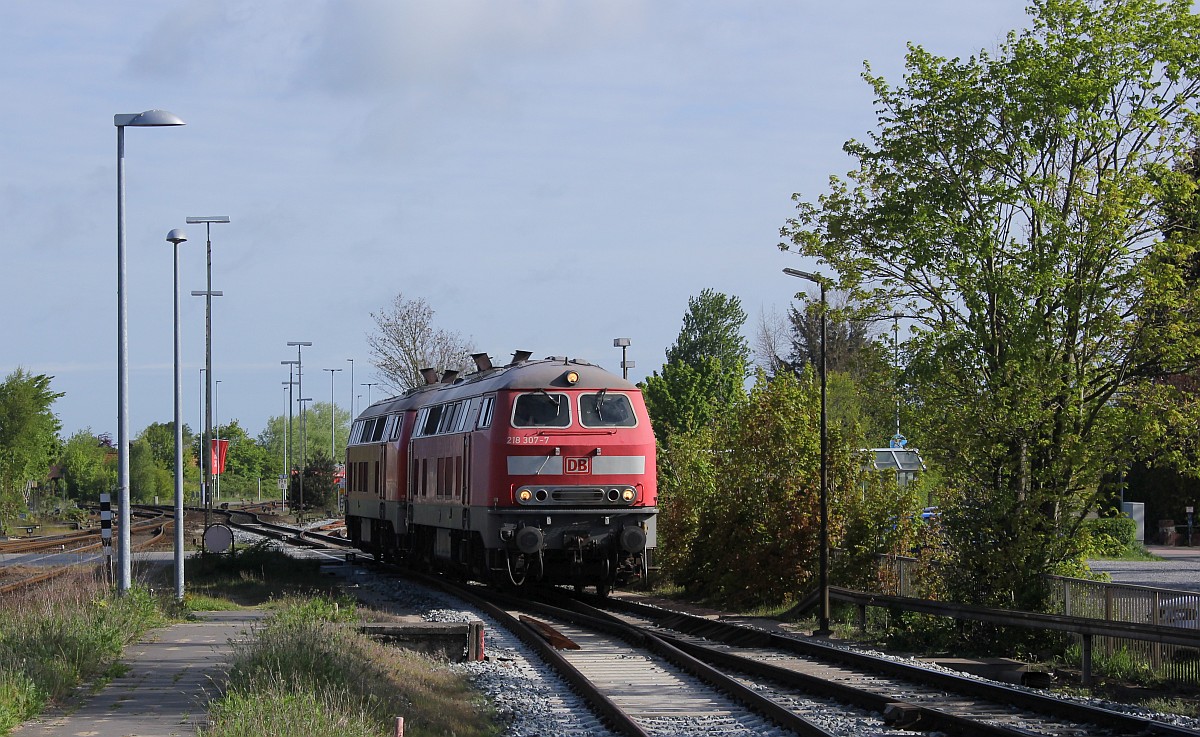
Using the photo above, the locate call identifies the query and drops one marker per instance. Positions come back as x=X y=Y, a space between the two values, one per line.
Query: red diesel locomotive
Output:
x=534 y=472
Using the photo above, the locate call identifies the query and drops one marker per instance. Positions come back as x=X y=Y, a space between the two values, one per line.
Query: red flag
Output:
x=218 y=455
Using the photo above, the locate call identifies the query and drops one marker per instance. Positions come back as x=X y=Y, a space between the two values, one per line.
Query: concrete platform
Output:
x=172 y=674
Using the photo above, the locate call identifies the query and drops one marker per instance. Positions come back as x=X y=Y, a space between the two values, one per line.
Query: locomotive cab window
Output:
x=485 y=412
x=541 y=409
x=606 y=410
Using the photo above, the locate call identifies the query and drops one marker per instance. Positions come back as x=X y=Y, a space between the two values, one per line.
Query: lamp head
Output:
x=176 y=236
x=147 y=119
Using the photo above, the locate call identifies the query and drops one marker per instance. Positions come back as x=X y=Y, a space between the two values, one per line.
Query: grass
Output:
x=309 y=675
x=57 y=638
x=250 y=576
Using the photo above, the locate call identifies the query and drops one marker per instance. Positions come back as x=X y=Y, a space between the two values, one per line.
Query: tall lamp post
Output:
x=287 y=475
x=332 y=415
x=206 y=469
x=823 y=619
x=352 y=408
x=149 y=118
x=217 y=437
x=368 y=385
x=176 y=237
x=291 y=431
x=300 y=344
x=623 y=344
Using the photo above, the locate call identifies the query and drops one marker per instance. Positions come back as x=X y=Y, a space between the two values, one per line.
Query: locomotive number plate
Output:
x=528 y=440
x=579 y=465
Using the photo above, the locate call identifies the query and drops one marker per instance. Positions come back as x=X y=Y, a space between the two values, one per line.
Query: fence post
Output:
x=1086 y=660
x=1066 y=597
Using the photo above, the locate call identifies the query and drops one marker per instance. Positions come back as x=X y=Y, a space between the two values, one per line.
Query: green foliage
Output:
x=318 y=487
x=89 y=466
x=883 y=518
x=705 y=369
x=1012 y=204
x=148 y=479
x=1109 y=537
x=20 y=699
x=755 y=478
x=48 y=650
x=687 y=397
x=712 y=327
x=28 y=436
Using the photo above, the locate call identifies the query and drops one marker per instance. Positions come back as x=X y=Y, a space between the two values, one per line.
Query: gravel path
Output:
x=1179 y=569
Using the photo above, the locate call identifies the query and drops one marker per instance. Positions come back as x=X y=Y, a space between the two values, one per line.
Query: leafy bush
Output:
x=1109 y=537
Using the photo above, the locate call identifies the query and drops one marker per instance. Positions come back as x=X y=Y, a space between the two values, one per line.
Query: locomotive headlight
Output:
x=524 y=495
x=628 y=495
x=572 y=377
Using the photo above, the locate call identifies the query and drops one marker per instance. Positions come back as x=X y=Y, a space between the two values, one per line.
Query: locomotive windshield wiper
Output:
x=551 y=397
x=600 y=403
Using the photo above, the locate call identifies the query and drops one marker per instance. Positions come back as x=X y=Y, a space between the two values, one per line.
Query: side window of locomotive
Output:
x=449 y=416
x=431 y=420
x=485 y=412
x=380 y=426
x=606 y=410
x=541 y=409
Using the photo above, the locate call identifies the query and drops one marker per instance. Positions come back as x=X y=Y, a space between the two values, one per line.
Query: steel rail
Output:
x=612 y=714
x=63 y=570
x=736 y=634
x=755 y=701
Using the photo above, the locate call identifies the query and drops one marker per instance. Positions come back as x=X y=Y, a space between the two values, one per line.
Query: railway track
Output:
x=650 y=671
x=906 y=695
x=158 y=531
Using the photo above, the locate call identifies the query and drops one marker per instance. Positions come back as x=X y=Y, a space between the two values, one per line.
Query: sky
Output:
x=546 y=175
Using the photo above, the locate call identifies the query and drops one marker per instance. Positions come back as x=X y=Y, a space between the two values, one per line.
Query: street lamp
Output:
x=291 y=458
x=300 y=344
x=352 y=408
x=332 y=414
x=149 y=118
x=823 y=619
x=217 y=437
x=623 y=344
x=176 y=237
x=368 y=385
x=287 y=476
x=206 y=468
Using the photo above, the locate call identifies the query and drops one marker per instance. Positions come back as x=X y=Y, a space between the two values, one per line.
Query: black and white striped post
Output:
x=106 y=530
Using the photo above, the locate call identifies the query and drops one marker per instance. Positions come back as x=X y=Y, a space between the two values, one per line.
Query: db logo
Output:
x=579 y=465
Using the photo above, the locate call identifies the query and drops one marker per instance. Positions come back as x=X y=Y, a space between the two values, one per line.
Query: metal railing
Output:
x=1111 y=602
x=1116 y=602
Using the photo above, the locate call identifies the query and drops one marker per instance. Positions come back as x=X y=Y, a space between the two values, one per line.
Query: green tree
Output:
x=28 y=437
x=89 y=466
x=862 y=382
x=147 y=477
x=705 y=368
x=1011 y=203
x=756 y=478
x=273 y=438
